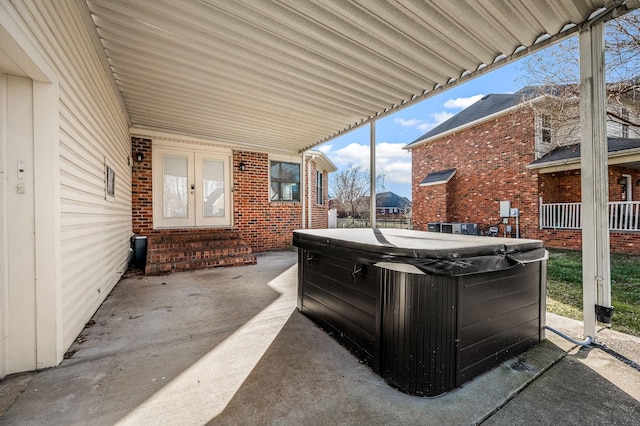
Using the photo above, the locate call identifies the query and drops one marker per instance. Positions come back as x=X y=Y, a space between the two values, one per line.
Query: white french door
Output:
x=191 y=188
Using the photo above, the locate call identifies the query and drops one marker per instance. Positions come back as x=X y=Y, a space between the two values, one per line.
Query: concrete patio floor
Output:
x=227 y=346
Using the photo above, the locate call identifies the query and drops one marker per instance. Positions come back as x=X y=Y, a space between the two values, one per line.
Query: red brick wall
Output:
x=625 y=242
x=565 y=187
x=620 y=242
x=319 y=212
x=560 y=187
x=615 y=189
x=141 y=187
x=429 y=205
x=262 y=224
x=490 y=162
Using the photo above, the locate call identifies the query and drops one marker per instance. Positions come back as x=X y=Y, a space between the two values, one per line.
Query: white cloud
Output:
x=391 y=160
x=440 y=117
x=325 y=149
x=354 y=154
x=413 y=122
x=461 y=103
x=437 y=118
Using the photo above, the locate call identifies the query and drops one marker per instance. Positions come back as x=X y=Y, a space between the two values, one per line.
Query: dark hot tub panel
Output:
x=399 y=302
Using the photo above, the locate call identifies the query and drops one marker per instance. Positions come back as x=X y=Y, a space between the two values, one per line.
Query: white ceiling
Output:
x=288 y=74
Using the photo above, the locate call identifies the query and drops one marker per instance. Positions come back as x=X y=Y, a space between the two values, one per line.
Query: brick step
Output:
x=190 y=249
x=193 y=235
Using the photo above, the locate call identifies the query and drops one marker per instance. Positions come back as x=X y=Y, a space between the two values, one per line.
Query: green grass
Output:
x=564 y=288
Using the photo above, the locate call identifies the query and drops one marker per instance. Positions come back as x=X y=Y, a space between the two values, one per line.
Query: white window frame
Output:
x=542 y=146
x=624 y=129
x=286 y=159
x=319 y=188
x=109 y=174
x=545 y=125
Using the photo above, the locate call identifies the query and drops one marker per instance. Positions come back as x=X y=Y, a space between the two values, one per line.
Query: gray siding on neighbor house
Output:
x=94 y=231
x=615 y=126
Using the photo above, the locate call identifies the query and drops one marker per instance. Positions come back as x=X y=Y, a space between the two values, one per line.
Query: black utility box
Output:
x=426 y=311
x=433 y=227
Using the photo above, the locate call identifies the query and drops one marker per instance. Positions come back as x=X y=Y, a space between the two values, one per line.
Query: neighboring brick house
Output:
x=509 y=148
x=201 y=205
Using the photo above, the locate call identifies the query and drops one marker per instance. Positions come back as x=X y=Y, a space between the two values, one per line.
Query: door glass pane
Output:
x=175 y=187
x=213 y=188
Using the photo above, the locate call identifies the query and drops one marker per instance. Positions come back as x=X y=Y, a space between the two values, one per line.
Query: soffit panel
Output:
x=286 y=75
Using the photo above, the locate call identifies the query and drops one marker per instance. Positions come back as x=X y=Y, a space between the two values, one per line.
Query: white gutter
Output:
x=309 y=210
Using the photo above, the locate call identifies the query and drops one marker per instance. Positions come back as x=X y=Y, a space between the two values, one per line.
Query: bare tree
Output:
x=555 y=72
x=350 y=187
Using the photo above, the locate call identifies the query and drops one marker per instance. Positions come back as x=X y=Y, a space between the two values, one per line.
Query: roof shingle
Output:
x=571 y=152
x=485 y=107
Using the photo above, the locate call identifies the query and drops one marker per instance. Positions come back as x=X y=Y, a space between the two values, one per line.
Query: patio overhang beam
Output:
x=598 y=17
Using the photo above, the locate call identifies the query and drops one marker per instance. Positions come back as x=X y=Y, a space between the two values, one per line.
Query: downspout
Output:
x=304 y=191
x=309 y=210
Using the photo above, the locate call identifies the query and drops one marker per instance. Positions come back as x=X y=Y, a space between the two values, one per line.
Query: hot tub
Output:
x=426 y=311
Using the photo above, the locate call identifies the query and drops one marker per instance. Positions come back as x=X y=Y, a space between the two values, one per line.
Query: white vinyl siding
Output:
x=617 y=127
x=93 y=128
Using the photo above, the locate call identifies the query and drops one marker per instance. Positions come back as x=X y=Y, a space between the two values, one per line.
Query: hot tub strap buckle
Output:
x=356 y=271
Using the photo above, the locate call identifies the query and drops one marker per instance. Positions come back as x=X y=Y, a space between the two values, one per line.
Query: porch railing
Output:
x=623 y=215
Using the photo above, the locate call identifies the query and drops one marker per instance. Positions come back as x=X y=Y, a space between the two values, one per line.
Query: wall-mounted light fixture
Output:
x=622 y=180
x=638 y=182
x=139 y=157
x=242 y=166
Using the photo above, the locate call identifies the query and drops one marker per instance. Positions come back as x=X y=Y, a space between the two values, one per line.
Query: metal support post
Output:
x=594 y=177
x=372 y=172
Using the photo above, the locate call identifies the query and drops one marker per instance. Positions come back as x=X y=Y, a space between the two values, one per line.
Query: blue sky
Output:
x=397 y=130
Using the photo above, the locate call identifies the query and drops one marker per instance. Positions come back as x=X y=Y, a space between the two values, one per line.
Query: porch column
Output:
x=596 y=278
x=372 y=172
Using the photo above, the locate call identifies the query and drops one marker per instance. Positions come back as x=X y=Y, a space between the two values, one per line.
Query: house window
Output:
x=545 y=128
x=109 y=182
x=285 y=181
x=319 y=188
x=625 y=126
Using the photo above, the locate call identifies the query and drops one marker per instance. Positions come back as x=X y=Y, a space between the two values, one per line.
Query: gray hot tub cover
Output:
x=432 y=253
